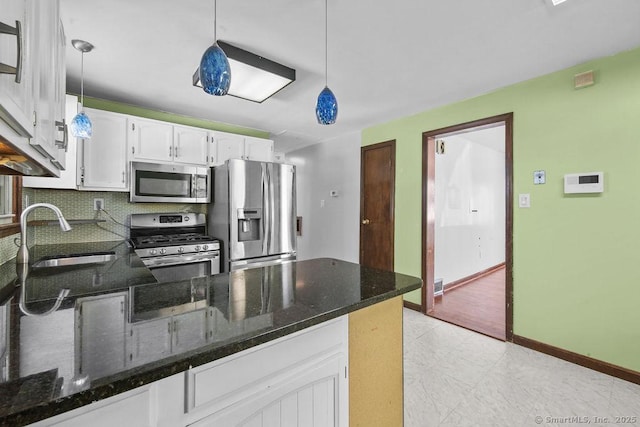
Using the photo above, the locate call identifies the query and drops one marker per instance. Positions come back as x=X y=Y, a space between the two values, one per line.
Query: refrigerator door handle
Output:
x=266 y=220
x=270 y=203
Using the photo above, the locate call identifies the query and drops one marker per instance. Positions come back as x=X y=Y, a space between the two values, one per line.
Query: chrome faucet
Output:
x=22 y=257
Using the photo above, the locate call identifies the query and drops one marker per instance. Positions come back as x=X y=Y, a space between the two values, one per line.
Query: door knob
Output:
x=365 y=221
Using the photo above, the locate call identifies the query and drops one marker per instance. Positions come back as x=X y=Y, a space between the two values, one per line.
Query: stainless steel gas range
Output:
x=175 y=246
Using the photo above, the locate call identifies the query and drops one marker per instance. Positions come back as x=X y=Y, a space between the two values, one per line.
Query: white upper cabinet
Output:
x=150 y=140
x=258 y=149
x=44 y=46
x=32 y=81
x=225 y=146
x=61 y=134
x=16 y=98
x=67 y=179
x=190 y=145
x=155 y=141
x=102 y=160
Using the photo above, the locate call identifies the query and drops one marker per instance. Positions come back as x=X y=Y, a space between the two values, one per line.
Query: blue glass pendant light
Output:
x=327 y=104
x=326 y=107
x=215 y=72
x=81 y=126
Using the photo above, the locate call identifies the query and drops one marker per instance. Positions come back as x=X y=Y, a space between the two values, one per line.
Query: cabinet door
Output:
x=150 y=140
x=16 y=96
x=103 y=164
x=258 y=149
x=43 y=79
x=149 y=341
x=67 y=179
x=189 y=330
x=61 y=137
x=190 y=145
x=100 y=335
x=228 y=146
x=314 y=394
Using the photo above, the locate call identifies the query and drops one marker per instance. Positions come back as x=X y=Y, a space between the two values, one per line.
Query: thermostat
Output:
x=590 y=182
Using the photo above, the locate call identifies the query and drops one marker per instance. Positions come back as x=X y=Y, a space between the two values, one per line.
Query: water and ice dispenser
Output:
x=249 y=222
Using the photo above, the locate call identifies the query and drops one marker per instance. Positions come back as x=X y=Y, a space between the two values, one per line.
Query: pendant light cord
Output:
x=326 y=44
x=215 y=17
x=82 y=81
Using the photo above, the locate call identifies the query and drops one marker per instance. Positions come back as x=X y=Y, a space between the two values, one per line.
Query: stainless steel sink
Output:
x=70 y=260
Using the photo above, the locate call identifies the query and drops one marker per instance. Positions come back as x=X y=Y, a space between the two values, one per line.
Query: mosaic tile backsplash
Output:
x=8 y=249
x=78 y=205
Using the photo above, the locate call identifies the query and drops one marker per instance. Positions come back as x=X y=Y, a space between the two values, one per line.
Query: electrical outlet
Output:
x=98 y=204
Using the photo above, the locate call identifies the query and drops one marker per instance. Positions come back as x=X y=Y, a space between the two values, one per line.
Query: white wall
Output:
x=333 y=230
x=470 y=208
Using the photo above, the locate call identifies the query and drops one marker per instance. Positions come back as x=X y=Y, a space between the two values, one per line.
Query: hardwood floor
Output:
x=478 y=305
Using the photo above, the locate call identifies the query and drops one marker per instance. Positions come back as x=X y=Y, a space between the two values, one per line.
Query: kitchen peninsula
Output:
x=320 y=338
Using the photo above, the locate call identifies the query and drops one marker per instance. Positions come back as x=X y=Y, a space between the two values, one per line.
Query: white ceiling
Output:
x=386 y=59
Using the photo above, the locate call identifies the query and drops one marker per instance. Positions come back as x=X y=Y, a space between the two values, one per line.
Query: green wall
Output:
x=576 y=279
x=118 y=107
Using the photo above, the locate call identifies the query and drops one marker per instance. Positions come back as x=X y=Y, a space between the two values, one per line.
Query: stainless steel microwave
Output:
x=151 y=182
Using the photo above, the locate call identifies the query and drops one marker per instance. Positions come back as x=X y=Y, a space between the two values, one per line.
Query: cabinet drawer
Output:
x=232 y=379
x=134 y=408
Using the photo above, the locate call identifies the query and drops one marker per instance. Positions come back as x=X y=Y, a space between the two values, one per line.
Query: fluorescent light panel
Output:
x=557 y=2
x=253 y=77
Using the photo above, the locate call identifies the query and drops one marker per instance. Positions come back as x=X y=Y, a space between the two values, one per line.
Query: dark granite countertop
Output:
x=114 y=334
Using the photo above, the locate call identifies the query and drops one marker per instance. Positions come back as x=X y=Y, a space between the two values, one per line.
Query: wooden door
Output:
x=377 y=185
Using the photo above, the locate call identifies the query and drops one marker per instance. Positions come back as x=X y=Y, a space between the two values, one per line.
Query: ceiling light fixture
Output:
x=214 y=71
x=81 y=126
x=255 y=78
x=557 y=2
x=327 y=105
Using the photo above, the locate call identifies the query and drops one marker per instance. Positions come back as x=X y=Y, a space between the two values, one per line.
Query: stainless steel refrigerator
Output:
x=253 y=213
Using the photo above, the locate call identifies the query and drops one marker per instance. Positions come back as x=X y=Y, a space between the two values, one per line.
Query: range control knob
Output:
x=186 y=218
x=197 y=248
x=180 y=249
x=163 y=251
x=205 y=247
x=153 y=251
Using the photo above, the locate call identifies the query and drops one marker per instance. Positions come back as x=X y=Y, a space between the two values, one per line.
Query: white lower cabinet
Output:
x=302 y=377
x=309 y=398
x=153 y=339
x=189 y=330
x=149 y=341
x=299 y=380
x=100 y=335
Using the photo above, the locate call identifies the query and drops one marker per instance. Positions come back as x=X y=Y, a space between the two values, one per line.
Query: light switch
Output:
x=539 y=177
x=524 y=200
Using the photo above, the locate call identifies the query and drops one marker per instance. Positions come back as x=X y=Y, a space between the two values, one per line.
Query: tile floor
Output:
x=455 y=377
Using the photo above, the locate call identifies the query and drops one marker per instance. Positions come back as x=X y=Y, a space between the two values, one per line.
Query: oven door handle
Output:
x=179 y=259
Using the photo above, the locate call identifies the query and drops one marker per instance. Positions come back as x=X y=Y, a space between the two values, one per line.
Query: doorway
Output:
x=467 y=225
x=377 y=193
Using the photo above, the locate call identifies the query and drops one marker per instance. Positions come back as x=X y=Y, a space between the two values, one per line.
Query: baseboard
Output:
x=474 y=276
x=579 y=359
x=412 y=306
